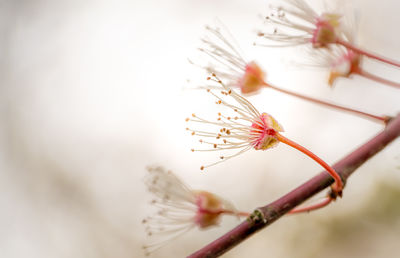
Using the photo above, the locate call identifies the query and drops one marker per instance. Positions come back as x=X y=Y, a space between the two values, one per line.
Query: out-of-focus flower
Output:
x=302 y=25
x=339 y=61
x=345 y=60
x=245 y=128
x=227 y=61
x=345 y=64
x=180 y=208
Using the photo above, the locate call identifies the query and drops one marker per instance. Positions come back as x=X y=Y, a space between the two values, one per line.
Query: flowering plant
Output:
x=239 y=126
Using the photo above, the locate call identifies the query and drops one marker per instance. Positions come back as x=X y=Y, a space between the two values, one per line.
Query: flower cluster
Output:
x=331 y=35
x=239 y=126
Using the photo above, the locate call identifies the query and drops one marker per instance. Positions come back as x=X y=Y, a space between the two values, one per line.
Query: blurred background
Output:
x=91 y=92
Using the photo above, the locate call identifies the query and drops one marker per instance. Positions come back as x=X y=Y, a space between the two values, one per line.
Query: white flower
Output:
x=338 y=59
x=179 y=208
x=227 y=61
x=297 y=23
x=245 y=128
x=340 y=62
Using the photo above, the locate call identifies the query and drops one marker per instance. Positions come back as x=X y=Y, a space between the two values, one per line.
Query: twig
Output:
x=383 y=119
x=264 y=216
x=369 y=54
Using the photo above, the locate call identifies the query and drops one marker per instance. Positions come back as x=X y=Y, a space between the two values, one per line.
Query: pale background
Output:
x=91 y=92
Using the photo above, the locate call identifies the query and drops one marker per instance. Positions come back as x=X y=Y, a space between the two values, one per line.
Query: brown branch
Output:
x=264 y=216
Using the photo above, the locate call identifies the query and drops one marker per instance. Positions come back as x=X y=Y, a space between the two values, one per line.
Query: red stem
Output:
x=324 y=103
x=240 y=213
x=268 y=214
x=368 y=54
x=339 y=184
x=316 y=206
x=376 y=78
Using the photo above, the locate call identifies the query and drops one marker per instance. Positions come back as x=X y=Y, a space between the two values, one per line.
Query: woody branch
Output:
x=266 y=215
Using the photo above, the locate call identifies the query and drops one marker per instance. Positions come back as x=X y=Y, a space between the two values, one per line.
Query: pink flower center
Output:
x=264 y=133
x=345 y=66
x=354 y=60
x=324 y=32
x=209 y=209
x=253 y=78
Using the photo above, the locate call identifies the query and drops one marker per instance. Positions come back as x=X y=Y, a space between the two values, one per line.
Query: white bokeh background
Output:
x=91 y=92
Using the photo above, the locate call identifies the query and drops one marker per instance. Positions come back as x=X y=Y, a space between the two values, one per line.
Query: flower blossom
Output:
x=344 y=59
x=340 y=61
x=246 y=129
x=228 y=62
x=242 y=128
x=345 y=62
x=180 y=208
x=308 y=26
